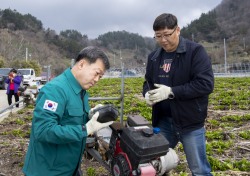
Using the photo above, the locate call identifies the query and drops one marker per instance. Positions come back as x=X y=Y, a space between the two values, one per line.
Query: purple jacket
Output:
x=17 y=81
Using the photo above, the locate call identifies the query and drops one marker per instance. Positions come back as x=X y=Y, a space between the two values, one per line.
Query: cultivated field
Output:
x=228 y=127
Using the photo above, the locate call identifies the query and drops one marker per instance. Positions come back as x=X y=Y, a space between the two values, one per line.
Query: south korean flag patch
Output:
x=50 y=105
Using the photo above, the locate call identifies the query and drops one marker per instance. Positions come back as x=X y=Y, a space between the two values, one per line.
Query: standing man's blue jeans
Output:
x=194 y=144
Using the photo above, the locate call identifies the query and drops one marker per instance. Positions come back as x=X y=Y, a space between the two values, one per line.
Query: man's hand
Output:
x=161 y=93
x=91 y=111
x=93 y=125
x=149 y=102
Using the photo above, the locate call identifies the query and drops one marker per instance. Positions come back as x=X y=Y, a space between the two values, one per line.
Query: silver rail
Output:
x=11 y=106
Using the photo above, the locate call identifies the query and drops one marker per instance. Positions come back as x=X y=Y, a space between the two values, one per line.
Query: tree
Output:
x=16 y=21
x=29 y=64
x=1 y=61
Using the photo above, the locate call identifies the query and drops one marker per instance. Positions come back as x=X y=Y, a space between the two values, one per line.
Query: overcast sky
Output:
x=96 y=17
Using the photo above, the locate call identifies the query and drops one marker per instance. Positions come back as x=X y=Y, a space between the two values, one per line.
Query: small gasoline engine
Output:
x=134 y=149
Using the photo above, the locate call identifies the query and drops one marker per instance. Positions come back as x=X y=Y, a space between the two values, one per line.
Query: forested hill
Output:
x=229 y=20
x=19 y=33
x=23 y=37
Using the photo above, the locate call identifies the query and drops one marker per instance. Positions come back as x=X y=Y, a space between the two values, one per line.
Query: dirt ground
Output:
x=14 y=138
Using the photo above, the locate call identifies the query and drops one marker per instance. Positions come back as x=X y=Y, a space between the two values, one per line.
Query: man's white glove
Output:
x=91 y=111
x=93 y=125
x=149 y=102
x=161 y=93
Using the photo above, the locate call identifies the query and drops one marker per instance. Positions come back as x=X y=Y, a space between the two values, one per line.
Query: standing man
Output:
x=60 y=122
x=13 y=82
x=178 y=80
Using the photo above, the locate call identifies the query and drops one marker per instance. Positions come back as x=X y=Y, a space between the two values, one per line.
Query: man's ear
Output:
x=178 y=30
x=82 y=63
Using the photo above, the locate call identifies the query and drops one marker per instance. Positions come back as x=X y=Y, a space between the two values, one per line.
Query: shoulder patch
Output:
x=50 y=105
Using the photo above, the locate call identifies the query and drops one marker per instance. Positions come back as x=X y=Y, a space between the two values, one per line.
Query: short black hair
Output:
x=165 y=20
x=13 y=70
x=91 y=54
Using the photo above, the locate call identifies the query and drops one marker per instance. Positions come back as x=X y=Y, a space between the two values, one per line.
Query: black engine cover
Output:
x=142 y=145
x=107 y=113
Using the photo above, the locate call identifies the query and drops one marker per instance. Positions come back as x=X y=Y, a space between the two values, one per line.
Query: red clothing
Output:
x=12 y=86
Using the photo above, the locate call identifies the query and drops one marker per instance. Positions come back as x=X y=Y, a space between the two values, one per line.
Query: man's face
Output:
x=168 y=39
x=88 y=74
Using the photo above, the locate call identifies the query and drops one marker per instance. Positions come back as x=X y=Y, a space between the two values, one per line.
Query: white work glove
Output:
x=161 y=93
x=93 y=125
x=149 y=102
x=91 y=111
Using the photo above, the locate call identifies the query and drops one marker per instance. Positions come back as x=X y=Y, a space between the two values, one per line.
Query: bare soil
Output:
x=14 y=139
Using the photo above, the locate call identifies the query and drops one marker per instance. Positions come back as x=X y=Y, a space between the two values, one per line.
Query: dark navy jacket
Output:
x=191 y=79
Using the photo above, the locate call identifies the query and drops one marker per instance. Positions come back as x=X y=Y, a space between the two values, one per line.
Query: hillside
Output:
x=229 y=21
x=22 y=37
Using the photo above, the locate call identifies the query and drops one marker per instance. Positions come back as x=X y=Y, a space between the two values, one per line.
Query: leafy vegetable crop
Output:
x=227 y=123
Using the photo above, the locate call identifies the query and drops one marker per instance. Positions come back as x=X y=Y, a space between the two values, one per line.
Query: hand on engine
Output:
x=91 y=111
x=93 y=125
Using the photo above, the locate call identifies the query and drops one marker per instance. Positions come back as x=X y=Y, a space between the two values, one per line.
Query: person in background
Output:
x=61 y=123
x=178 y=81
x=13 y=81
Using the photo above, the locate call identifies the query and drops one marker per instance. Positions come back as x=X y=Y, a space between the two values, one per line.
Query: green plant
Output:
x=18 y=133
x=211 y=135
x=183 y=174
x=19 y=121
x=21 y=111
x=245 y=134
x=28 y=118
x=242 y=165
x=30 y=106
x=91 y=171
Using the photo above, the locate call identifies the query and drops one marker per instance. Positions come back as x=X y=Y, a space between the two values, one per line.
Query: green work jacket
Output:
x=57 y=138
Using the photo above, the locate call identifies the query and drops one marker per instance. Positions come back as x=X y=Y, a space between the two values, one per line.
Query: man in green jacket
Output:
x=60 y=122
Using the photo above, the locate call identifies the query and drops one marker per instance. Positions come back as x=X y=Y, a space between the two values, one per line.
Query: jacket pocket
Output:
x=75 y=112
x=73 y=116
x=67 y=156
x=189 y=112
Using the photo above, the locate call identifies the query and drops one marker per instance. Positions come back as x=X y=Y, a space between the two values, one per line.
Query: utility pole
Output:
x=48 y=74
x=244 y=43
x=120 y=54
x=72 y=62
x=26 y=55
x=225 y=55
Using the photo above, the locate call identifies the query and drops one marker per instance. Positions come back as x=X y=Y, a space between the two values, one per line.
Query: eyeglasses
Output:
x=165 y=36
